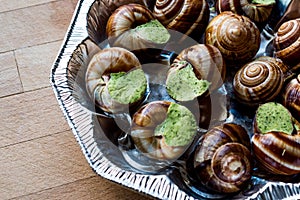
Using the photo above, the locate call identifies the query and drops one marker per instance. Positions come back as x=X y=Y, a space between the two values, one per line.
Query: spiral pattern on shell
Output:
x=124 y=19
x=223 y=160
x=99 y=13
x=106 y=61
x=144 y=123
x=287 y=43
x=257 y=82
x=237 y=37
x=278 y=152
x=256 y=12
x=207 y=62
x=291 y=97
x=189 y=17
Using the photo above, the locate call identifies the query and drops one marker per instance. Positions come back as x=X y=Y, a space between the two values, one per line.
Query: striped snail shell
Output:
x=256 y=12
x=236 y=36
x=105 y=62
x=223 y=161
x=207 y=62
x=144 y=123
x=258 y=81
x=284 y=68
x=276 y=140
x=124 y=19
x=99 y=13
x=278 y=152
x=287 y=43
x=291 y=97
x=189 y=17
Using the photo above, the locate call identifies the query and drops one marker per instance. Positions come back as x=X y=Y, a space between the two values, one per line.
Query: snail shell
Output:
x=145 y=120
x=287 y=43
x=106 y=61
x=124 y=19
x=223 y=160
x=189 y=17
x=236 y=36
x=207 y=62
x=276 y=140
x=291 y=97
x=258 y=81
x=99 y=13
x=278 y=152
x=284 y=68
x=256 y=12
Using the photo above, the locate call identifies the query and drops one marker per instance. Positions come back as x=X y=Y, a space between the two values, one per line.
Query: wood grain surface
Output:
x=39 y=155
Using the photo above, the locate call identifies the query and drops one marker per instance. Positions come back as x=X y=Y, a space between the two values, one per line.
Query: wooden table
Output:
x=39 y=156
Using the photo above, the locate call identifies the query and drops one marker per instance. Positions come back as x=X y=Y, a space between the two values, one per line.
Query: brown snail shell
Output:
x=278 y=152
x=124 y=19
x=284 y=68
x=256 y=12
x=276 y=140
x=223 y=160
x=287 y=43
x=291 y=97
x=189 y=17
x=99 y=13
x=258 y=81
x=207 y=62
x=236 y=36
x=106 y=61
x=144 y=122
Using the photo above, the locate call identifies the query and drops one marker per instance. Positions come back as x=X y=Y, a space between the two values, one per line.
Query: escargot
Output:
x=291 y=96
x=258 y=81
x=194 y=71
x=99 y=13
x=276 y=141
x=258 y=11
x=287 y=43
x=223 y=161
x=163 y=130
x=133 y=26
x=236 y=36
x=189 y=17
x=115 y=79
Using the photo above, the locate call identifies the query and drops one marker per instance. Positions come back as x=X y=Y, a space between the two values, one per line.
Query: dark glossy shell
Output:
x=110 y=60
x=284 y=68
x=144 y=122
x=277 y=152
x=291 y=97
x=207 y=62
x=124 y=19
x=99 y=13
x=258 y=81
x=189 y=17
x=256 y=12
x=223 y=160
x=287 y=43
x=236 y=36
x=219 y=136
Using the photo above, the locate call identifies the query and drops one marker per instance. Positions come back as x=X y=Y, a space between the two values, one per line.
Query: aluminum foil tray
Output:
x=99 y=147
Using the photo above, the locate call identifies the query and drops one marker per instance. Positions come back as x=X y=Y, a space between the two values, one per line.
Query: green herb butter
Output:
x=179 y=127
x=183 y=85
x=128 y=87
x=153 y=31
x=273 y=116
x=264 y=2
